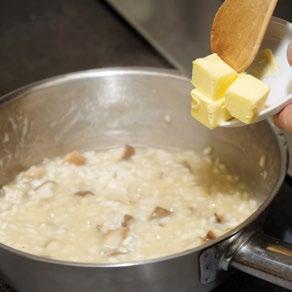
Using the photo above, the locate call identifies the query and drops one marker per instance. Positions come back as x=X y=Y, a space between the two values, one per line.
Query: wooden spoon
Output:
x=238 y=30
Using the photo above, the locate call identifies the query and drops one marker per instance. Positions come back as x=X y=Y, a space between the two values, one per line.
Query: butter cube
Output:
x=212 y=76
x=208 y=111
x=246 y=97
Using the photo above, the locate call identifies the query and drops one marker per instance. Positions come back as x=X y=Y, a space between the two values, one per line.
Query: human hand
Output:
x=283 y=120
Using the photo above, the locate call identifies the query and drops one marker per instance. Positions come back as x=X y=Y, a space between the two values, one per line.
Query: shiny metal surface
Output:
x=179 y=30
x=98 y=109
x=265 y=258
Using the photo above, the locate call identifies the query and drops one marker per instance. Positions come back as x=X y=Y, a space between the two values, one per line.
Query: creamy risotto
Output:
x=121 y=204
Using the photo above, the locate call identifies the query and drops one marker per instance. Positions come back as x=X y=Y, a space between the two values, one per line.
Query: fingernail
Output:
x=289 y=54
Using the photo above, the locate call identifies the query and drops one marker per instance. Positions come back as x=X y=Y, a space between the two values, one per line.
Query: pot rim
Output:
x=161 y=72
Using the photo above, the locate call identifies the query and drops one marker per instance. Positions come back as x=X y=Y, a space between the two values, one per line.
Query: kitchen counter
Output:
x=39 y=39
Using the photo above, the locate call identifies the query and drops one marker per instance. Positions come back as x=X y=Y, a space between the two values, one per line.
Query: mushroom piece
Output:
x=114 y=238
x=75 y=158
x=219 y=218
x=128 y=152
x=83 y=193
x=124 y=227
x=210 y=235
x=159 y=213
x=187 y=165
x=118 y=252
x=127 y=220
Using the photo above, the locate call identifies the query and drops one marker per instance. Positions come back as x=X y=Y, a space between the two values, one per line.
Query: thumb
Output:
x=284 y=119
x=289 y=54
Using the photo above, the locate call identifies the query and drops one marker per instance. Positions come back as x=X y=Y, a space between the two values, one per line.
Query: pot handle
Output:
x=266 y=258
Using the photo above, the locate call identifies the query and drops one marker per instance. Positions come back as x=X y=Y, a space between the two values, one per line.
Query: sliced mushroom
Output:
x=128 y=152
x=114 y=238
x=118 y=252
x=210 y=235
x=187 y=165
x=219 y=218
x=83 y=193
x=159 y=213
x=75 y=157
x=127 y=220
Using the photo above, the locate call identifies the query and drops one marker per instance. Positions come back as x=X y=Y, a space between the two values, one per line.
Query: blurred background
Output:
x=40 y=38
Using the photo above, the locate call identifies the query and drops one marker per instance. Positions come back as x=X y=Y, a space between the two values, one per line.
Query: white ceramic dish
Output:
x=277 y=38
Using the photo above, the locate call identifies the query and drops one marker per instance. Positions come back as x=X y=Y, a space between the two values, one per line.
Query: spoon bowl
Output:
x=277 y=38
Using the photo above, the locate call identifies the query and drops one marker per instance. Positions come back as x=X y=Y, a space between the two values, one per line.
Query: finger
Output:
x=284 y=119
x=289 y=54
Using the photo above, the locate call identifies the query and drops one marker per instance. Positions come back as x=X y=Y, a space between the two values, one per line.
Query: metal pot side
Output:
x=98 y=109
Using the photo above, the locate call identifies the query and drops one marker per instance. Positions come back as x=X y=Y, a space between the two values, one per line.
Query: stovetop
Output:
x=39 y=39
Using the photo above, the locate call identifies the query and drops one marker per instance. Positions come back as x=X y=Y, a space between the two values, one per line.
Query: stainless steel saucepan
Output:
x=102 y=108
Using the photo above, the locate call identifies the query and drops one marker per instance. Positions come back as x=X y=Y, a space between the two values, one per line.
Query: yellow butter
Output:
x=246 y=97
x=264 y=65
x=212 y=76
x=208 y=111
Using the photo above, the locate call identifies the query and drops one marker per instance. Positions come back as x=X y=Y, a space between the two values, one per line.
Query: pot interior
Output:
x=100 y=109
